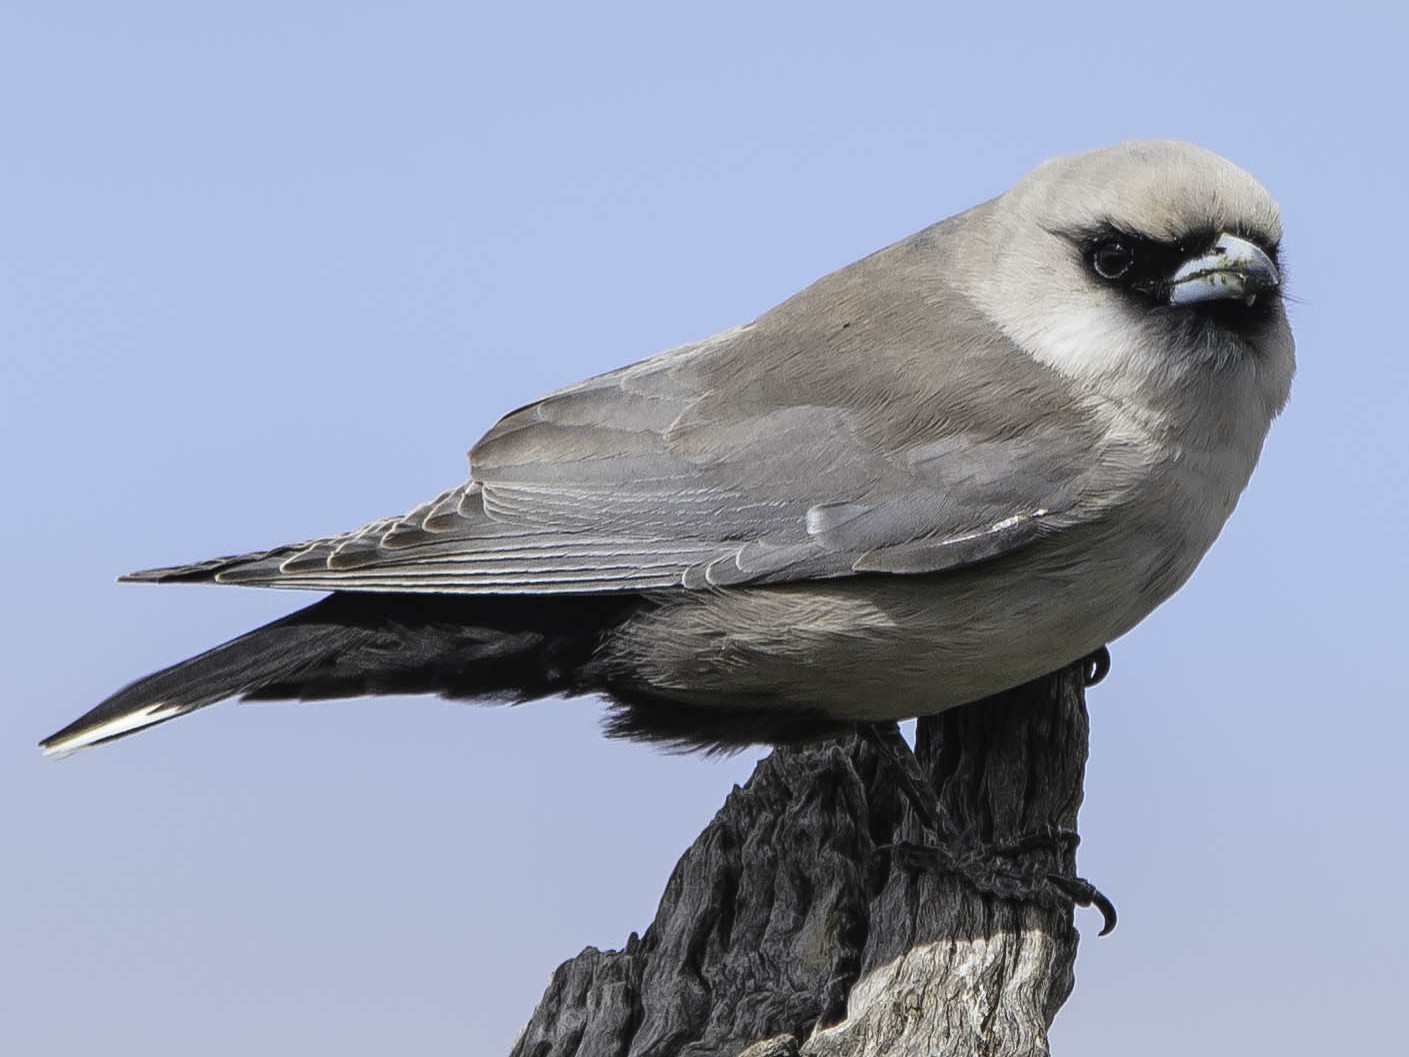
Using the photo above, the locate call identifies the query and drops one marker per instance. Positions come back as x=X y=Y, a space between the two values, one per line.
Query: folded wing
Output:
x=799 y=447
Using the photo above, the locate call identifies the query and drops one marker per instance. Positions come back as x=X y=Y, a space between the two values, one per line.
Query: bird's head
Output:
x=1149 y=270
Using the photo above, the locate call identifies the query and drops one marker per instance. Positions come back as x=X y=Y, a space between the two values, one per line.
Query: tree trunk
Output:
x=808 y=920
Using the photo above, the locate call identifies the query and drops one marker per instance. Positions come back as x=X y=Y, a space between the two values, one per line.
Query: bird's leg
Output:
x=890 y=745
x=989 y=868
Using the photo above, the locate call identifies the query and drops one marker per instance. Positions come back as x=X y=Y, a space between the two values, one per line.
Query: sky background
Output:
x=267 y=270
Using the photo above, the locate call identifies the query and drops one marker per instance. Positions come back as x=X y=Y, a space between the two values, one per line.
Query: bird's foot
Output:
x=1096 y=666
x=996 y=870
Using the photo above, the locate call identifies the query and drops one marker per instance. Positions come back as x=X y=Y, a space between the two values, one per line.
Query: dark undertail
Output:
x=513 y=649
x=502 y=647
x=505 y=648
x=714 y=729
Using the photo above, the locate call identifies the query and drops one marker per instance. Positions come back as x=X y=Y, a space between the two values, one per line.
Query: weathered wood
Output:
x=785 y=930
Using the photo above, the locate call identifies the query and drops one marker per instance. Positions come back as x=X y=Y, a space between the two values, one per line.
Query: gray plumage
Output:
x=952 y=466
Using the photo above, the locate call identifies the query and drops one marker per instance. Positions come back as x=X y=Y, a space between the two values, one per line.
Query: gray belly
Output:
x=891 y=647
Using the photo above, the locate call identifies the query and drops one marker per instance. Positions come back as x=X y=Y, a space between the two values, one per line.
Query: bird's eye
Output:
x=1112 y=259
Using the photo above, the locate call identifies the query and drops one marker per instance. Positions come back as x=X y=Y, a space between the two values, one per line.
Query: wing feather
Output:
x=875 y=423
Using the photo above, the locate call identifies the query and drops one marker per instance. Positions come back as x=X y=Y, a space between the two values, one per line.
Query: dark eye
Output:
x=1112 y=259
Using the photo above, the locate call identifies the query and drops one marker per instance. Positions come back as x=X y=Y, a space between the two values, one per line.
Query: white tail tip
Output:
x=64 y=745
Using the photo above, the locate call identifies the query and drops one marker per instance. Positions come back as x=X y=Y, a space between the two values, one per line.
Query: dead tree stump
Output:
x=787 y=929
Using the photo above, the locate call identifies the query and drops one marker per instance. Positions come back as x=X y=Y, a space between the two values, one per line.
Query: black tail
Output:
x=347 y=645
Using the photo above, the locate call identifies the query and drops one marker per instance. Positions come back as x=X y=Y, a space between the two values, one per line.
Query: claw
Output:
x=1084 y=894
x=1097 y=665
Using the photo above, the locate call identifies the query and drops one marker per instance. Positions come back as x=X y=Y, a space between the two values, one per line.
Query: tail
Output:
x=509 y=648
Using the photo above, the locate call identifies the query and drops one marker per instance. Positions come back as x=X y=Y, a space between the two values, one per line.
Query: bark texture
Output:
x=816 y=916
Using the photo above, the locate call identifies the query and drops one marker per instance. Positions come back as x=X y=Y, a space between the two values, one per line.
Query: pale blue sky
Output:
x=268 y=269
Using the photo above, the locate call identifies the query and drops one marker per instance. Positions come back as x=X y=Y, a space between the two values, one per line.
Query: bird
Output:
x=955 y=465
